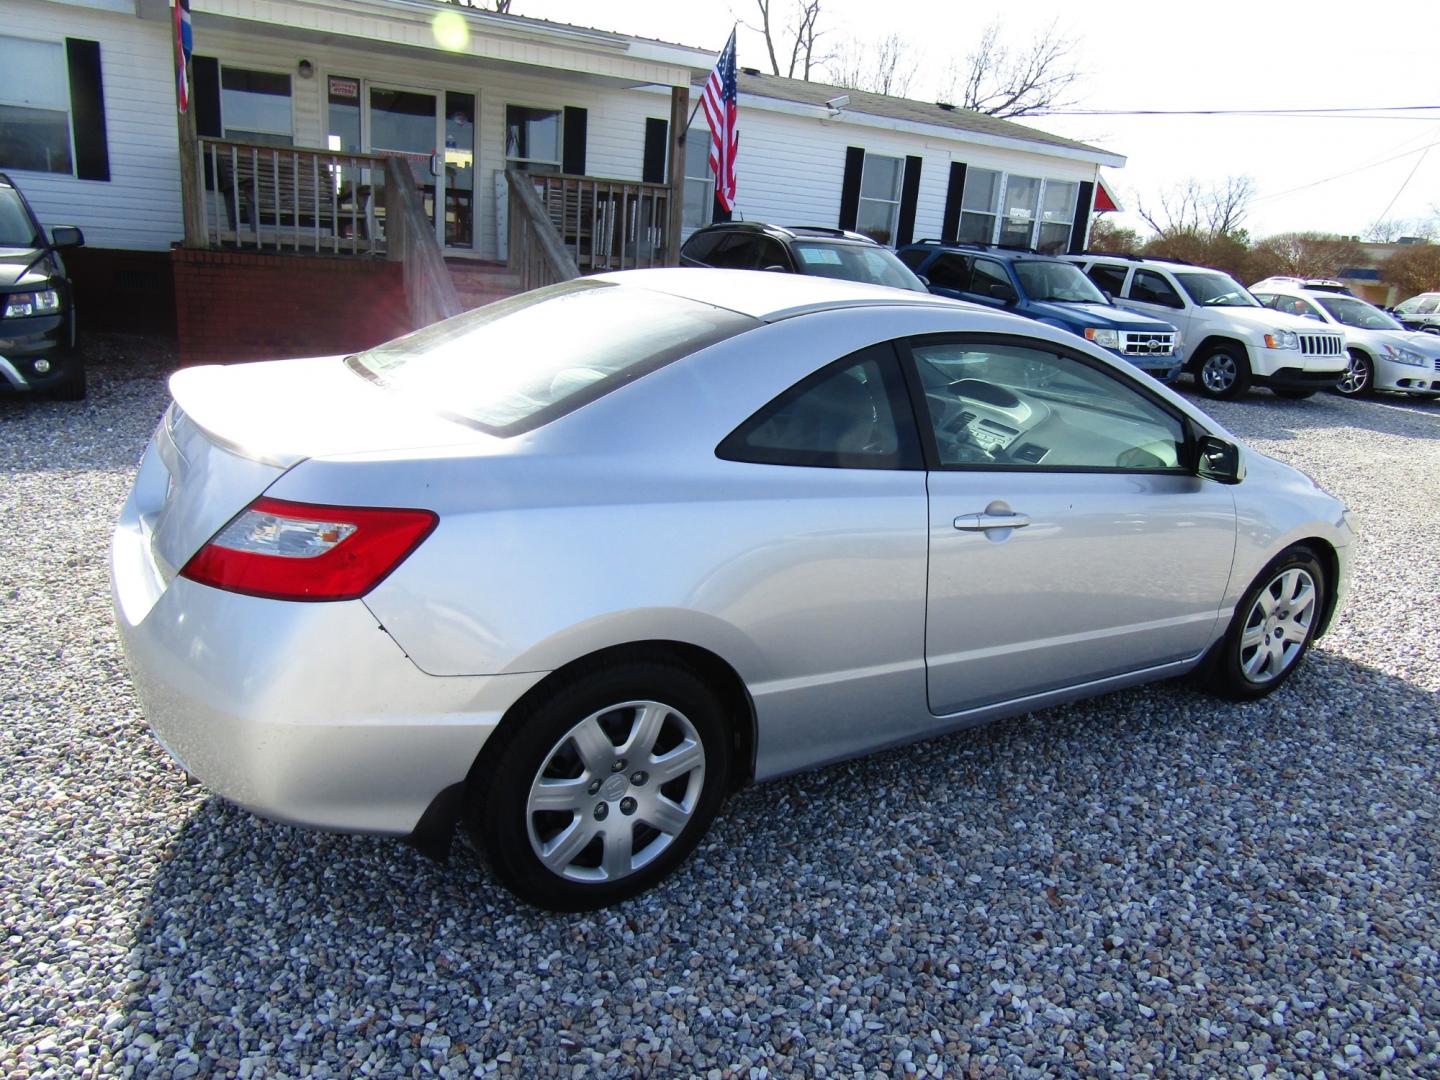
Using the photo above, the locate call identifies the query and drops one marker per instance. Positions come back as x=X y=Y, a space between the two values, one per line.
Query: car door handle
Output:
x=982 y=522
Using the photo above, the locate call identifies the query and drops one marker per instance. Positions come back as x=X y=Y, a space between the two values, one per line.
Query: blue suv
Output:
x=1050 y=291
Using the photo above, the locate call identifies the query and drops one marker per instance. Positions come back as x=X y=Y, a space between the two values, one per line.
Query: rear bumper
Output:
x=304 y=713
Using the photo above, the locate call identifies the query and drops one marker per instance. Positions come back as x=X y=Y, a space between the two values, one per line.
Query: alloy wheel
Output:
x=1278 y=625
x=1356 y=379
x=1218 y=373
x=615 y=791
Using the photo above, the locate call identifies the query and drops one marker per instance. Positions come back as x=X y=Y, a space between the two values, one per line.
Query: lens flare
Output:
x=450 y=31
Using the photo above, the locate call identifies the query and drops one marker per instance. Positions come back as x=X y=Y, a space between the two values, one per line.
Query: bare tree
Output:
x=1391 y=230
x=1193 y=208
x=1310 y=254
x=1415 y=268
x=885 y=67
x=803 y=34
x=1005 y=80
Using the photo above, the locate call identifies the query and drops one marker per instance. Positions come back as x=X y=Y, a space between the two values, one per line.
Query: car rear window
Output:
x=518 y=364
x=854 y=262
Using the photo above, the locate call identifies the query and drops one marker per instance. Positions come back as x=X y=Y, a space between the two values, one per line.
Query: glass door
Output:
x=434 y=131
x=406 y=123
x=458 y=227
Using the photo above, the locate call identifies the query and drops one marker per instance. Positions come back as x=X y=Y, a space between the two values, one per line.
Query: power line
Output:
x=1366 y=112
x=1403 y=186
x=1421 y=150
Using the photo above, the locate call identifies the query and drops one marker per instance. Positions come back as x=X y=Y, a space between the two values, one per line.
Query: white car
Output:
x=1231 y=342
x=1420 y=312
x=1383 y=354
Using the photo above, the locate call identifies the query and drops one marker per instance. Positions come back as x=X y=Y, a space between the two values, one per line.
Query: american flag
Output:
x=718 y=97
x=185 y=43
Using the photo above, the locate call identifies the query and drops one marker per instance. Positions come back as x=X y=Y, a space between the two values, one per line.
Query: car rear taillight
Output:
x=298 y=551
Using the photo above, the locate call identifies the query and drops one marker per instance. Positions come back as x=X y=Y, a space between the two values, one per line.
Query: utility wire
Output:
x=1369 y=110
x=1403 y=186
x=1421 y=150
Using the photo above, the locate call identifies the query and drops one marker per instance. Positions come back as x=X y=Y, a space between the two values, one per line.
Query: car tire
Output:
x=1223 y=373
x=1359 y=377
x=72 y=387
x=1272 y=628
x=1293 y=395
x=574 y=809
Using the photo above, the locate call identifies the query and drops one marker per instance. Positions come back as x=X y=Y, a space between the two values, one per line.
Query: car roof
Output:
x=792 y=232
x=769 y=297
x=992 y=250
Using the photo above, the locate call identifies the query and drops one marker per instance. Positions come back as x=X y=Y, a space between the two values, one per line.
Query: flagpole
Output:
x=701 y=101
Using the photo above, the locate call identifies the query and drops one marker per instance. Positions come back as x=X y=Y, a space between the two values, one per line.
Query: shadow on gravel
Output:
x=1082 y=851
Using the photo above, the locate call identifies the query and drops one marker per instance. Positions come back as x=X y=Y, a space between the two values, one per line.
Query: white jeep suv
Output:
x=1231 y=341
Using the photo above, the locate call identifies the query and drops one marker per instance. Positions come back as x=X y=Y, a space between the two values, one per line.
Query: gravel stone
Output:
x=1152 y=882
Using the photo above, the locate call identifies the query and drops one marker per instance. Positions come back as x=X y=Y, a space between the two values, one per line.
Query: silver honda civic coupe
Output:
x=571 y=567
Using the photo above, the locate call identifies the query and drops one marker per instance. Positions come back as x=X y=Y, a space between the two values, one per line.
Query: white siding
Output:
x=139 y=207
x=791 y=167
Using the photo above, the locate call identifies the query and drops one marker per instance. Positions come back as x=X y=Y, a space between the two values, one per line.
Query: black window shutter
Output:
x=1082 y=217
x=954 y=196
x=718 y=213
x=205 y=95
x=850 y=190
x=87 y=109
x=909 y=197
x=657 y=140
x=574 y=159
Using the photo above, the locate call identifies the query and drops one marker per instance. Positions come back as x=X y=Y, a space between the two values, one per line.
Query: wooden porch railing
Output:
x=535 y=253
x=410 y=238
x=608 y=224
x=285 y=198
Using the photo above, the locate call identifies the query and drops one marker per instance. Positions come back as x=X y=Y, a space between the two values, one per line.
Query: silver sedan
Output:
x=571 y=567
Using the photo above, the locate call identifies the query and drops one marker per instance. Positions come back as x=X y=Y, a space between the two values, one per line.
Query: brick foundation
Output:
x=128 y=291
x=232 y=305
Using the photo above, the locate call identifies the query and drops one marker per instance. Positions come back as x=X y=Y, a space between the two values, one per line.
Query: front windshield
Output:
x=512 y=366
x=1213 y=289
x=16 y=229
x=1350 y=311
x=854 y=262
x=1057 y=281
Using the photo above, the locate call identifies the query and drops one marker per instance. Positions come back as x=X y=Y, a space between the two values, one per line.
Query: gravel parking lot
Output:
x=1148 y=883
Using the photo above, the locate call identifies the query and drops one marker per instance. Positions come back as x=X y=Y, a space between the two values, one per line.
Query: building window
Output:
x=1057 y=216
x=699 y=177
x=1022 y=204
x=979 y=206
x=34 y=106
x=255 y=106
x=533 y=138
x=879 y=208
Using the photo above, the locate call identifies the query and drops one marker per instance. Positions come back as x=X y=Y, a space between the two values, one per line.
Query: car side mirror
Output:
x=1218 y=460
x=1108 y=298
x=66 y=236
x=923 y=280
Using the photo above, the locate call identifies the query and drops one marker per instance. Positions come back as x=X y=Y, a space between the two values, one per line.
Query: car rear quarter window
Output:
x=1152 y=288
x=852 y=414
x=950 y=272
x=515 y=365
x=700 y=246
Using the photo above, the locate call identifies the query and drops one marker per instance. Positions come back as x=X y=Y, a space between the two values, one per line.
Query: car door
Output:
x=1068 y=544
x=1152 y=293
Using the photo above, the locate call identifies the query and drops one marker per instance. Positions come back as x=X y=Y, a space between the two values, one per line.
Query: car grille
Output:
x=1142 y=343
x=1322 y=344
x=1437 y=363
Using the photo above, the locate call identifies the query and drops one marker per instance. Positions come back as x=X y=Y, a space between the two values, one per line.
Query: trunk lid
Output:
x=233 y=431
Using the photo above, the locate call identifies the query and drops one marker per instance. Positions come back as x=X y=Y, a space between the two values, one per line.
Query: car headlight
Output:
x=19 y=305
x=1282 y=339
x=1405 y=356
x=1179 y=344
x=1106 y=339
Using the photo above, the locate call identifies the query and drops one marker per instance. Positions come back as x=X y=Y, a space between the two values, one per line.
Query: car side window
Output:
x=852 y=414
x=1426 y=307
x=1151 y=288
x=737 y=252
x=913 y=257
x=1028 y=407
x=1269 y=300
x=1109 y=278
x=700 y=246
x=950 y=271
x=990 y=279
x=770 y=252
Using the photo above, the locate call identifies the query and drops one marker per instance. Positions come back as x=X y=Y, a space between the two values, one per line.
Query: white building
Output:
x=88 y=125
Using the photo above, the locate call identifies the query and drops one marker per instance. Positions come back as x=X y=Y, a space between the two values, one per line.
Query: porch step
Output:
x=480 y=283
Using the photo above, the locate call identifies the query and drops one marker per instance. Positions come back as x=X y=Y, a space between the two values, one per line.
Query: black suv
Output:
x=37 y=307
x=798 y=249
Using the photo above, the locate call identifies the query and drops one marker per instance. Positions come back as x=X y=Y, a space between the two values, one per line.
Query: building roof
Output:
x=898 y=108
